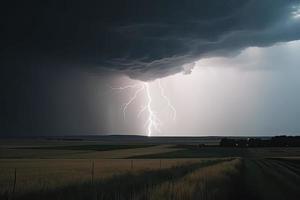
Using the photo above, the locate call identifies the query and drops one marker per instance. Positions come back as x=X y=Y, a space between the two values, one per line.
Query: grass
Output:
x=41 y=174
x=64 y=170
x=211 y=182
x=137 y=183
x=194 y=151
x=99 y=147
x=272 y=179
x=29 y=152
x=189 y=151
x=263 y=179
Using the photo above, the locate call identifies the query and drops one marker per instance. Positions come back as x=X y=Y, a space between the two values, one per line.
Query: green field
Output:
x=90 y=170
x=94 y=147
x=194 y=151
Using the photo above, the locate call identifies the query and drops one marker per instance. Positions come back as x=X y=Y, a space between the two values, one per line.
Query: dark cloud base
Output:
x=43 y=42
x=143 y=39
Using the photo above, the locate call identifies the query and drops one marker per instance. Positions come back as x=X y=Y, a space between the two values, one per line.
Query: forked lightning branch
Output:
x=152 y=122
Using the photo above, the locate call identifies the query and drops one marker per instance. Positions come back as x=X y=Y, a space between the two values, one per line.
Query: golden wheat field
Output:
x=205 y=183
x=88 y=170
x=35 y=174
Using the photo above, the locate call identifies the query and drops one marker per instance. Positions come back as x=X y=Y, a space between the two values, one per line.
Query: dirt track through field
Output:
x=270 y=179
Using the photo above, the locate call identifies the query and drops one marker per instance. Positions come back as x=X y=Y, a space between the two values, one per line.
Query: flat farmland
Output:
x=80 y=152
x=137 y=171
x=37 y=174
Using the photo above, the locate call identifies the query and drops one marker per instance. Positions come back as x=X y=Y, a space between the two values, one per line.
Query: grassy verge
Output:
x=212 y=182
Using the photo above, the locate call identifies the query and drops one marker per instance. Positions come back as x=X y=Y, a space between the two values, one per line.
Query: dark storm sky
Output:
x=52 y=52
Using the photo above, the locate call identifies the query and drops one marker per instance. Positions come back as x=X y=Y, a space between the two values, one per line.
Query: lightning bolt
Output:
x=131 y=100
x=162 y=92
x=152 y=122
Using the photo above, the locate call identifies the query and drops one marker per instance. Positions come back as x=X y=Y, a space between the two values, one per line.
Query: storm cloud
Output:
x=142 y=39
x=60 y=58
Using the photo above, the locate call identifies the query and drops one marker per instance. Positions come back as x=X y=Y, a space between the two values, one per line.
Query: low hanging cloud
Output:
x=143 y=39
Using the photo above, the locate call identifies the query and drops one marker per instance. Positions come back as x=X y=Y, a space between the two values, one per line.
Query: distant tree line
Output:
x=277 y=141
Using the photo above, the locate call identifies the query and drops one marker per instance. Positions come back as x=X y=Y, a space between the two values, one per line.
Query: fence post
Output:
x=15 y=182
x=159 y=164
x=172 y=188
x=93 y=169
